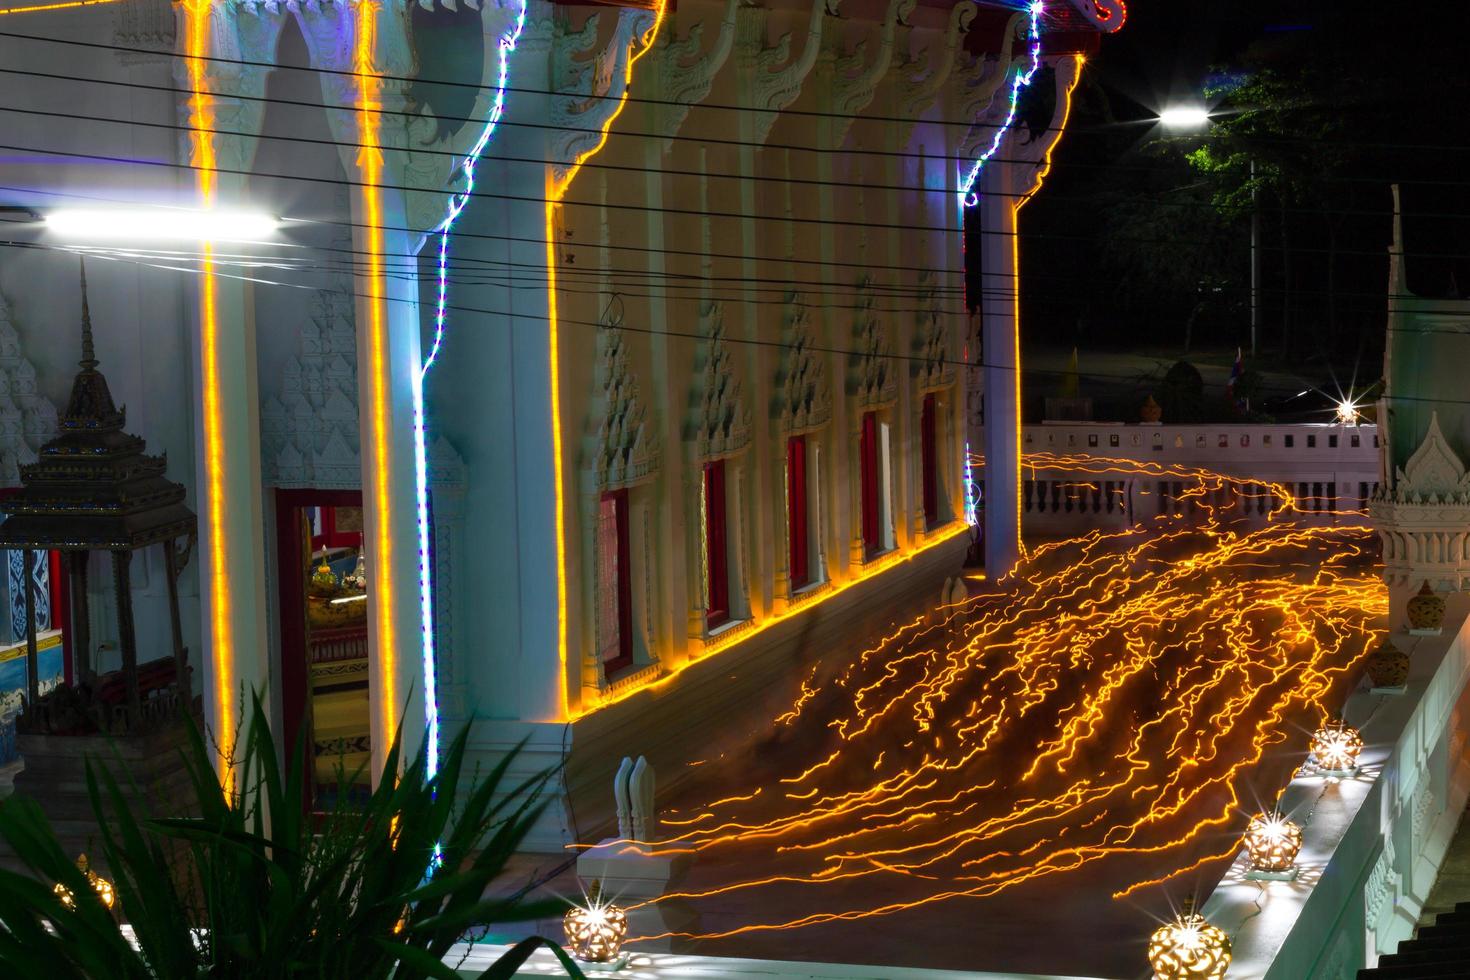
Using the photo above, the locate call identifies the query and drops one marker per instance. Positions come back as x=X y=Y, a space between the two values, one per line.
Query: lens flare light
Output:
x=1335 y=748
x=595 y=931
x=1189 y=948
x=1272 y=842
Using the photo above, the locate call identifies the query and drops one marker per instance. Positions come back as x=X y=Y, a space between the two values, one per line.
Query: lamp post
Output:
x=1186 y=117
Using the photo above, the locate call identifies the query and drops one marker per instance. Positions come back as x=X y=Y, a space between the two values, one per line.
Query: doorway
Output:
x=324 y=641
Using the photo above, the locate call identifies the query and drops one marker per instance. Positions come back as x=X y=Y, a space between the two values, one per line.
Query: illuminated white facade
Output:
x=696 y=407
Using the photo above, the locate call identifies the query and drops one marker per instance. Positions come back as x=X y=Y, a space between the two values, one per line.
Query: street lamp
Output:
x=1185 y=117
x=1191 y=117
x=162 y=223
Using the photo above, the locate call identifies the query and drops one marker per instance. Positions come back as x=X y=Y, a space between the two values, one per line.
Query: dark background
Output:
x=1134 y=247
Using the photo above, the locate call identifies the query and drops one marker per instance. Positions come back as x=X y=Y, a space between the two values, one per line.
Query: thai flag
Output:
x=1236 y=370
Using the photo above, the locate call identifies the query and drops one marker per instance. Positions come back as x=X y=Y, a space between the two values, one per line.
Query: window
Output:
x=928 y=461
x=1113 y=441
x=1245 y=442
x=1311 y=442
x=1092 y=440
x=716 y=554
x=1199 y=442
x=1223 y=442
x=1332 y=442
x=1356 y=440
x=1289 y=440
x=796 y=511
x=1266 y=439
x=875 y=480
x=614 y=584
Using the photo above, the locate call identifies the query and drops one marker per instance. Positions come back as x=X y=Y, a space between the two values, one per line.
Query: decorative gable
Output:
x=1434 y=473
x=804 y=401
x=723 y=424
x=309 y=427
x=625 y=450
x=875 y=378
x=27 y=419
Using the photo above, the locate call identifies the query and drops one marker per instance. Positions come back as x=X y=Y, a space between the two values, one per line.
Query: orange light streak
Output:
x=370 y=166
x=221 y=626
x=65 y=5
x=555 y=191
x=1111 y=698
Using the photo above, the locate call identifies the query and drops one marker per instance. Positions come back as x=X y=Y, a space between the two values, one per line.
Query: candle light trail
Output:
x=1114 y=697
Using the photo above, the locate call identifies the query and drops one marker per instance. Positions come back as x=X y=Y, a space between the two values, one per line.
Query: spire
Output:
x=1398 y=285
x=89 y=357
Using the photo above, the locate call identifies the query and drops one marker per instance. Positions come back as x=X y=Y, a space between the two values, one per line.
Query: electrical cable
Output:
x=697 y=336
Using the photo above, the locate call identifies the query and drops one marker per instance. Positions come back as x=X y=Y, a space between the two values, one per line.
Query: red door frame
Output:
x=868 y=464
x=624 y=585
x=291 y=579
x=717 y=601
x=796 y=507
x=928 y=459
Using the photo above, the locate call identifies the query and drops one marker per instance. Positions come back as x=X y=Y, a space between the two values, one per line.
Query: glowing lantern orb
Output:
x=100 y=885
x=596 y=932
x=1189 y=948
x=1347 y=412
x=1272 y=842
x=1335 y=747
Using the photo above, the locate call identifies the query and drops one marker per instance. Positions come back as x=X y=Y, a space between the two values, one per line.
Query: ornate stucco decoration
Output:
x=625 y=450
x=722 y=428
x=590 y=90
x=804 y=401
x=979 y=81
x=767 y=88
x=1424 y=518
x=933 y=368
x=685 y=77
x=874 y=382
x=238 y=36
x=1434 y=473
x=921 y=81
x=27 y=418
x=147 y=24
x=309 y=427
x=852 y=83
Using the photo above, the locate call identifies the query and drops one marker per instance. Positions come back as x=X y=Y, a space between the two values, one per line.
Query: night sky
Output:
x=1125 y=245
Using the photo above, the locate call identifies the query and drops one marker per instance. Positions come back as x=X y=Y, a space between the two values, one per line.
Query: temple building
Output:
x=604 y=369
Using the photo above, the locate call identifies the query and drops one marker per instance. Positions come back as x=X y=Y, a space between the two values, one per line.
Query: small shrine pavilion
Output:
x=93 y=488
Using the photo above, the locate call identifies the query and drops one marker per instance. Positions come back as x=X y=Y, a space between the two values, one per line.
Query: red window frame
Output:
x=796 y=507
x=868 y=472
x=623 y=585
x=928 y=460
x=717 y=574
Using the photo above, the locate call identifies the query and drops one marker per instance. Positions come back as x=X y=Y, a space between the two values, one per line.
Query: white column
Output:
x=1001 y=349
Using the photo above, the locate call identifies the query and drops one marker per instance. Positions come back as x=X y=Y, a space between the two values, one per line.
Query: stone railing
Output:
x=1372 y=844
x=1332 y=470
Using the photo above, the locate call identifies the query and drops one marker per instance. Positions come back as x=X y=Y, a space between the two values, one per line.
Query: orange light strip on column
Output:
x=63 y=5
x=555 y=191
x=370 y=166
x=221 y=627
x=1016 y=278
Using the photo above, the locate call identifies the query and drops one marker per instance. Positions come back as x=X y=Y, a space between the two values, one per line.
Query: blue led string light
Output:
x=969 y=197
x=457 y=204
